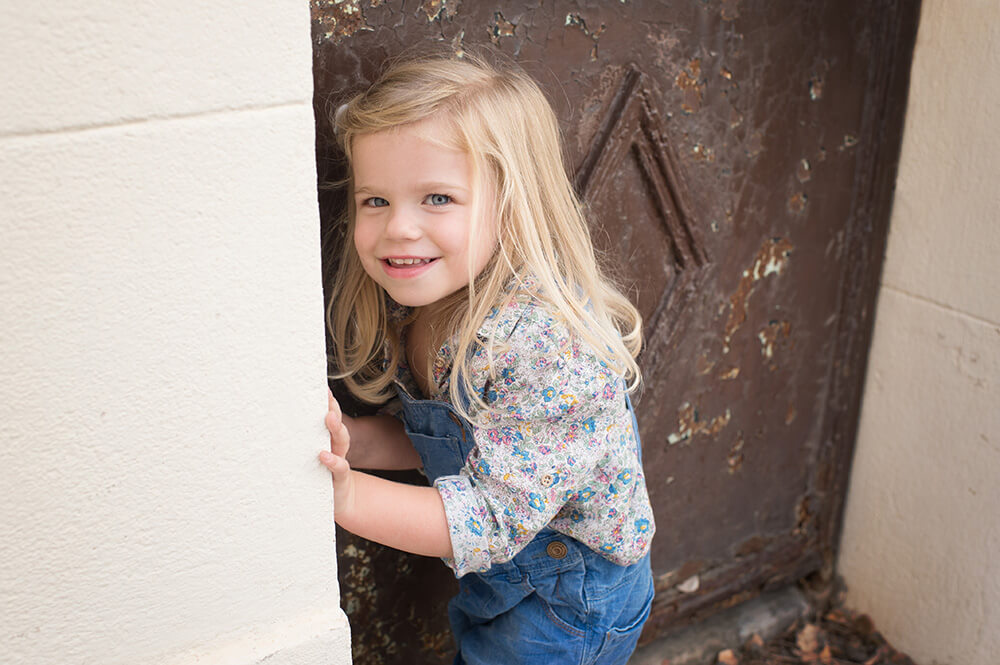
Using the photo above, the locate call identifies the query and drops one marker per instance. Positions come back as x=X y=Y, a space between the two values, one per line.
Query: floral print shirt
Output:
x=557 y=449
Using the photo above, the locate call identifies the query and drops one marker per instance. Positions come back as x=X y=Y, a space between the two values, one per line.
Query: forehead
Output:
x=409 y=153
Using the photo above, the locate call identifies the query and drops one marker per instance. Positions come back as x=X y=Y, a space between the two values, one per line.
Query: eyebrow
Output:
x=421 y=186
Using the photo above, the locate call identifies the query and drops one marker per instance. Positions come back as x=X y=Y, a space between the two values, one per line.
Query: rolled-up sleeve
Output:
x=536 y=448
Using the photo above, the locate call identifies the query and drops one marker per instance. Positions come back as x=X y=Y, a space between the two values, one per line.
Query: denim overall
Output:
x=557 y=601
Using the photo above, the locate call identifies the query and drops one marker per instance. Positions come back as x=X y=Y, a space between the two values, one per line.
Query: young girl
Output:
x=471 y=292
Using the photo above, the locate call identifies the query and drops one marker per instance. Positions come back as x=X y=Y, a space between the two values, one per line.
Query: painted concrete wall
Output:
x=162 y=370
x=922 y=532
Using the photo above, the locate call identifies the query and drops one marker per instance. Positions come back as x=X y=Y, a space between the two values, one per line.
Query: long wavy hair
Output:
x=501 y=119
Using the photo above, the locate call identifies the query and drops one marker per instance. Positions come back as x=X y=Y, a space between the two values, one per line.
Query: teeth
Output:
x=407 y=262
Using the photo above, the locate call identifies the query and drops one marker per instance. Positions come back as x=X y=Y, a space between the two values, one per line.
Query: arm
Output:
x=380 y=442
x=406 y=517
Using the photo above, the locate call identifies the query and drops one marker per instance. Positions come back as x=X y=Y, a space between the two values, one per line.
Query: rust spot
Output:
x=595 y=35
x=790 y=414
x=335 y=19
x=730 y=374
x=735 y=458
x=803 y=172
x=691 y=424
x=436 y=9
x=726 y=74
x=797 y=202
x=730 y=10
x=693 y=86
x=771 y=259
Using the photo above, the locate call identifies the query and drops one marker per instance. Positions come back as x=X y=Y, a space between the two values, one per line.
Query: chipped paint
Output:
x=734 y=460
x=771 y=259
x=769 y=335
x=501 y=28
x=703 y=153
x=729 y=374
x=815 y=88
x=803 y=172
x=595 y=35
x=850 y=140
x=690 y=424
x=440 y=9
x=790 y=414
x=797 y=202
x=334 y=20
x=689 y=81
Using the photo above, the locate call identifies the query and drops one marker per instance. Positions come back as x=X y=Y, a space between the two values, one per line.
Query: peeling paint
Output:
x=703 y=153
x=803 y=172
x=771 y=259
x=734 y=460
x=440 y=9
x=797 y=202
x=769 y=335
x=690 y=424
x=595 y=35
x=501 y=28
x=815 y=88
x=850 y=140
x=690 y=82
x=730 y=374
x=335 y=19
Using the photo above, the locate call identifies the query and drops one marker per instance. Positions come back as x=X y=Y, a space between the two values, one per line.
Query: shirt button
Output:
x=557 y=550
x=546 y=480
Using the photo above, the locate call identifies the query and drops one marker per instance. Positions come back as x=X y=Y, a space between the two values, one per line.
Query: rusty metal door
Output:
x=738 y=157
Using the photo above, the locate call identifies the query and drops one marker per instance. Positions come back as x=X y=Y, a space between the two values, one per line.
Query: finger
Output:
x=337 y=465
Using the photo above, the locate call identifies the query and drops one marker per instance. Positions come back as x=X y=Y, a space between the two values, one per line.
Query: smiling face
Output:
x=414 y=219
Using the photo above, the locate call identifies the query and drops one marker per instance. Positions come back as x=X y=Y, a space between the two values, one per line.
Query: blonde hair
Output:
x=503 y=121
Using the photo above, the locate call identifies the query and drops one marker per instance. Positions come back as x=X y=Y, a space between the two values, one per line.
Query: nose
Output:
x=402 y=225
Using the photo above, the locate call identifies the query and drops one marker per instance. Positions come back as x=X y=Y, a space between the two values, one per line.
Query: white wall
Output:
x=162 y=370
x=922 y=529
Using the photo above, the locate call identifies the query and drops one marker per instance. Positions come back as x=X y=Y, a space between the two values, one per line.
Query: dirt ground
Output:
x=838 y=637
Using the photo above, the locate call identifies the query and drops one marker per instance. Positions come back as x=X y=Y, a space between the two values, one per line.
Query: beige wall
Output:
x=921 y=543
x=162 y=364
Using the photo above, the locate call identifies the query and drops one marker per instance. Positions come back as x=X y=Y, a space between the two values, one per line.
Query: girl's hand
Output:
x=336 y=461
x=340 y=436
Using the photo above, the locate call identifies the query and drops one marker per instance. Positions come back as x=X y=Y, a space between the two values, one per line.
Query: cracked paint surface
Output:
x=334 y=20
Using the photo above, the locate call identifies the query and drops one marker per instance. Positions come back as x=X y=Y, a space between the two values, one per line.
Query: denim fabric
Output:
x=557 y=601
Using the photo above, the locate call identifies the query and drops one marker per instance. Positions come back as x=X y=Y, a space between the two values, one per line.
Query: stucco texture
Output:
x=163 y=357
x=921 y=530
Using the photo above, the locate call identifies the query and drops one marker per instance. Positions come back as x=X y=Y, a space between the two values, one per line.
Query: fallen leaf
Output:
x=825 y=656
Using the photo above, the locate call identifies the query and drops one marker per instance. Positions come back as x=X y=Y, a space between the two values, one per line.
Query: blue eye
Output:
x=438 y=199
x=376 y=202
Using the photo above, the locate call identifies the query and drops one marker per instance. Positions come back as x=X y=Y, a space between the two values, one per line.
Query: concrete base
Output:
x=767 y=615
